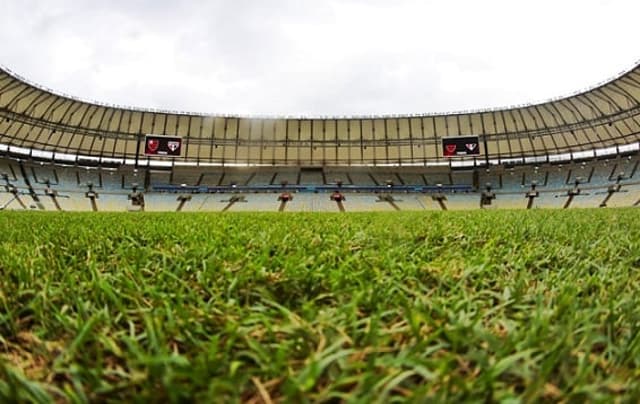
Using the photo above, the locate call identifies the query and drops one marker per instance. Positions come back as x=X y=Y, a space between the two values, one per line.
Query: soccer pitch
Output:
x=371 y=307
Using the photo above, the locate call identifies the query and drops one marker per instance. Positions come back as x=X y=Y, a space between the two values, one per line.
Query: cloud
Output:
x=333 y=57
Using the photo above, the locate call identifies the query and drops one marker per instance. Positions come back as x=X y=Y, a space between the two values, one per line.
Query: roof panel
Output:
x=604 y=116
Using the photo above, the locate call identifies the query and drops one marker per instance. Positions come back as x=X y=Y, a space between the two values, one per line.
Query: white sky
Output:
x=314 y=57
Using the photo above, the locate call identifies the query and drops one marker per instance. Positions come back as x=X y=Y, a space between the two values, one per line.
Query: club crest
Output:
x=152 y=145
x=173 y=145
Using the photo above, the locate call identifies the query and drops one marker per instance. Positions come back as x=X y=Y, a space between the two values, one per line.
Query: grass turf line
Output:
x=479 y=305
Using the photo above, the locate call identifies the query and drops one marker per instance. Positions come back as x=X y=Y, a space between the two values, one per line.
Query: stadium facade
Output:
x=570 y=147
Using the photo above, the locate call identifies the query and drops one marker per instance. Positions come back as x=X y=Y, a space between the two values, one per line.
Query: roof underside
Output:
x=37 y=119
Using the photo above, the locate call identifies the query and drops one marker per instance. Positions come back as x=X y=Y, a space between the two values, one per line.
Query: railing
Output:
x=311 y=188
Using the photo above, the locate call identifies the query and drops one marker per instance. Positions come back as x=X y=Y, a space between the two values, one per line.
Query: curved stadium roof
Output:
x=38 y=121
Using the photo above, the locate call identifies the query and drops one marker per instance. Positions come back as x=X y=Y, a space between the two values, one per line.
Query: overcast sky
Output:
x=315 y=57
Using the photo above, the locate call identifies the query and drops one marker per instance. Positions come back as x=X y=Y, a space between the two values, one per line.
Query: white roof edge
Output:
x=307 y=117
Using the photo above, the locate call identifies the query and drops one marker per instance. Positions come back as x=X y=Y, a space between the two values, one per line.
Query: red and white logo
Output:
x=471 y=146
x=173 y=145
x=152 y=145
x=450 y=148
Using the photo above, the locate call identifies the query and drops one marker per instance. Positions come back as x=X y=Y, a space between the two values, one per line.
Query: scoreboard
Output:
x=155 y=145
x=460 y=146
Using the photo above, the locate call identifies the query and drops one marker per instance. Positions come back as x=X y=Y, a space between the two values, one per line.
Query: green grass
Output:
x=443 y=306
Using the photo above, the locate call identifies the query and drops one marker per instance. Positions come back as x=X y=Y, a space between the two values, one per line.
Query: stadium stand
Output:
x=629 y=196
x=336 y=177
x=286 y=177
x=438 y=178
x=262 y=178
x=412 y=179
x=155 y=202
x=190 y=176
x=376 y=191
x=312 y=177
x=508 y=201
x=573 y=152
x=159 y=177
x=305 y=203
x=198 y=202
x=235 y=178
x=366 y=202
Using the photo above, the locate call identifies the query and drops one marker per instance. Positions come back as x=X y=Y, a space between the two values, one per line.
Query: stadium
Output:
x=62 y=153
x=151 y=255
